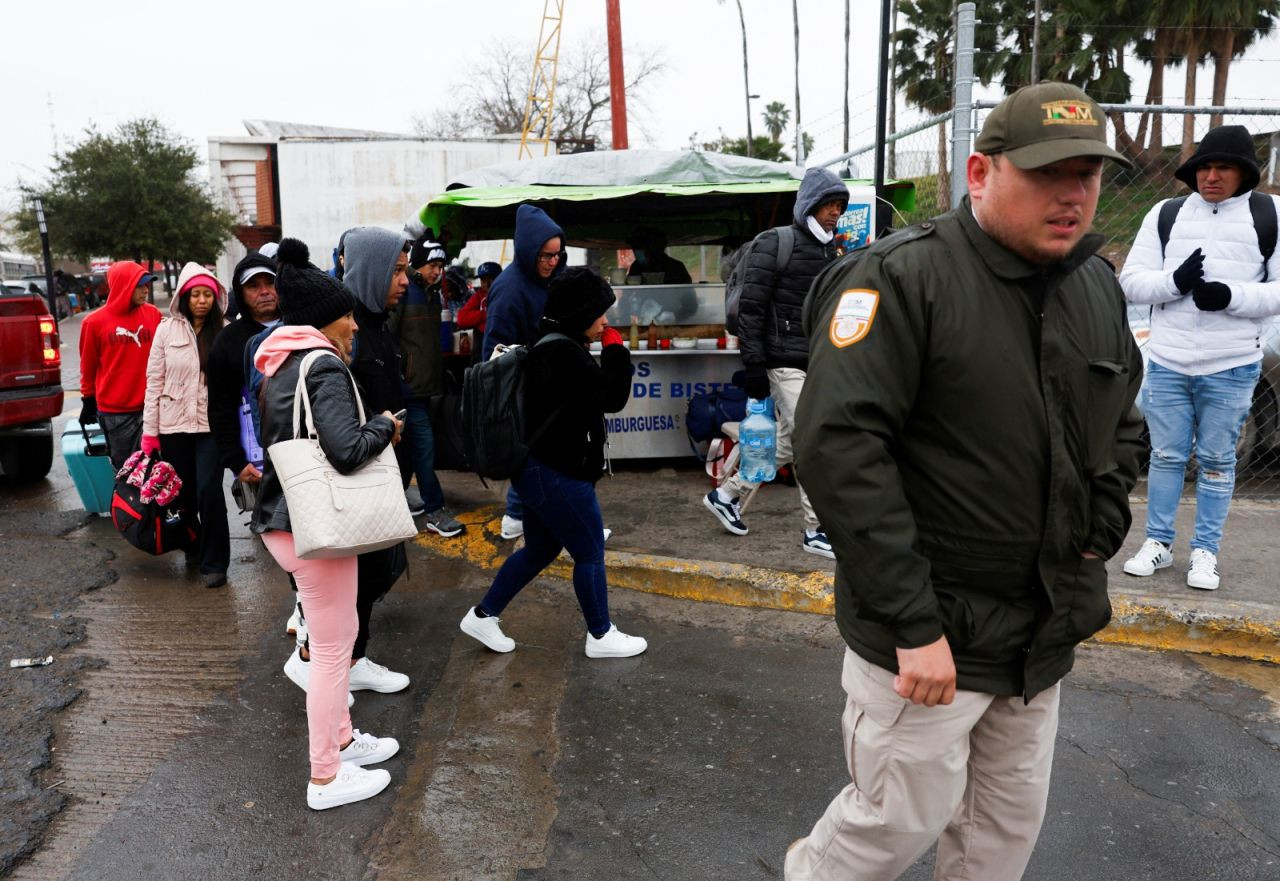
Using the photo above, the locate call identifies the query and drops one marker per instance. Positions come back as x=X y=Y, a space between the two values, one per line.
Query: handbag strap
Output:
x=302 y=400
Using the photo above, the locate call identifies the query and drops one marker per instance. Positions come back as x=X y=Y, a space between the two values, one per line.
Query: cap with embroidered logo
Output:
x=1045 y=123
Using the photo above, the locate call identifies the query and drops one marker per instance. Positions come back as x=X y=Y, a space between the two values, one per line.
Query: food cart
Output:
x=677 y=331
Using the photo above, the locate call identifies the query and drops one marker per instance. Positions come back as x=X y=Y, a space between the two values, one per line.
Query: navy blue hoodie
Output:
x=518 y=296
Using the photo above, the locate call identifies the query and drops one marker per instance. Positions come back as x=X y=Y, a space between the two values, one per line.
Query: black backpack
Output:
x=496 y=438
x=1261 y=206
x=149 y=526
x=738 y=274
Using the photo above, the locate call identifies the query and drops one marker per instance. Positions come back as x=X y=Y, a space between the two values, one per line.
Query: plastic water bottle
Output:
x=758 y=439
x=446 y=330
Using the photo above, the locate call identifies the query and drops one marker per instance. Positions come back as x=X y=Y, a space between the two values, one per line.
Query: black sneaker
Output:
x=728 y=513
x=818 y=543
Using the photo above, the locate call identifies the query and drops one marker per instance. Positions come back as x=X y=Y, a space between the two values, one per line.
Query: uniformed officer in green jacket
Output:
x=970 y=406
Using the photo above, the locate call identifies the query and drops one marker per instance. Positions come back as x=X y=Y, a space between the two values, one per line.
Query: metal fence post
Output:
x=962 y=111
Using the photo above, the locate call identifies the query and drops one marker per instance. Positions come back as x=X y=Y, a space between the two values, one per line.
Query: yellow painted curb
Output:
x=1134 y=622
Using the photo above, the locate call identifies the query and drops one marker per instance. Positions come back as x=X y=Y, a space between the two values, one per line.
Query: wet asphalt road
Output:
x=185 y=753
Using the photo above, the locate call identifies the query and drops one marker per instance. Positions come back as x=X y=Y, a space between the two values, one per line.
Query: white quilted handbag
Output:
x=334 y=514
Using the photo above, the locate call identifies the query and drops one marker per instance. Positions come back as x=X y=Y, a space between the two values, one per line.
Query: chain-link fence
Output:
x=1159 y=140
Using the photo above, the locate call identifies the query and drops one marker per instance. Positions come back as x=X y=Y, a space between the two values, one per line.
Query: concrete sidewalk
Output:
x=665 y=541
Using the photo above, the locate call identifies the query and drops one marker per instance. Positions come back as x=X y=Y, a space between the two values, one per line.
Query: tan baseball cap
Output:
x=1046 y=123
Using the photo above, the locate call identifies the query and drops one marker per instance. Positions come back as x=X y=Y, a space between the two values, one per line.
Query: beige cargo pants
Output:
x=975 y=772
x=785 y=384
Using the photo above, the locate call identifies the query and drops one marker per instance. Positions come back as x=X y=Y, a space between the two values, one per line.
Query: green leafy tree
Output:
x=134 y=192
x=762 y=147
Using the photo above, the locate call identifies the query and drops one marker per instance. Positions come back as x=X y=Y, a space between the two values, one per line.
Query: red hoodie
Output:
x=115 y=342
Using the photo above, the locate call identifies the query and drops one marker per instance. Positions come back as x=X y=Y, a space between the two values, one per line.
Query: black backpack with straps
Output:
x=1261 y=206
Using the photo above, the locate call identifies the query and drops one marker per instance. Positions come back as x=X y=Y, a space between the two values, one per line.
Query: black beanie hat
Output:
x=575 y=299
x=307 y=294
x=425 y=249
x=1226 y=143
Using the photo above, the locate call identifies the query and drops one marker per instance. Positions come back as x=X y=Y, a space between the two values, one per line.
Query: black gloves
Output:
x=88 y=411
x=1190 y=273
x=1212 y=296
x=757 y=384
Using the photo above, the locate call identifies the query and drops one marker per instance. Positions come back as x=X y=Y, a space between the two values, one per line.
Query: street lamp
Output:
x=48 y=261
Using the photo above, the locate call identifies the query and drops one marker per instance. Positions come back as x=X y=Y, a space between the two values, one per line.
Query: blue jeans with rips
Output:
x=559 y=513
x=1204 y=413
x=422 y=445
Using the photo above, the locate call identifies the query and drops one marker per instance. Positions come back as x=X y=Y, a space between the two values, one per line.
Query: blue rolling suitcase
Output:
x=85 y=449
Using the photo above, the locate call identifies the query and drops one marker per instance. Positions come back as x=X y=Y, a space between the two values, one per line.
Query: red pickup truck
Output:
x=30 y=386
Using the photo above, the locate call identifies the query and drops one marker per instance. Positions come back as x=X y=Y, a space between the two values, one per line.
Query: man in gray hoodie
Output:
x=781 y=267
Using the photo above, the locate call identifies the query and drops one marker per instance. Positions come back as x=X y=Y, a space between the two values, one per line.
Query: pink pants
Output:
x=327 y=590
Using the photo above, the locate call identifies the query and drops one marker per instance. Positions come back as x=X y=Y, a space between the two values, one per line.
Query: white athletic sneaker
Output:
x=1151 y=556
x=511 y=527
x=487 y=631
x=1202 y=573
x=297 y=625
x=299 y=673
x=365 y=749
x=607 y=533
x=615 y=644
x=368 y=676
x=353 y=783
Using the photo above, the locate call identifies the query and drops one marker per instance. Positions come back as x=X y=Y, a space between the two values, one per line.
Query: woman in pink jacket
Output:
x=175 y=414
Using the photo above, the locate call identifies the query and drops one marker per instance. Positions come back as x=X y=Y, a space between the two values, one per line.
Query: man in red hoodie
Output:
x=115 y=342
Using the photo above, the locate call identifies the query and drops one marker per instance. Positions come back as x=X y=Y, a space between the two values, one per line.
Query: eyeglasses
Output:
x=550 y=256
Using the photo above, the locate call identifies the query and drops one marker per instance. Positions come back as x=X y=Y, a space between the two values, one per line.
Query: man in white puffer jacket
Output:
x=1210 y=289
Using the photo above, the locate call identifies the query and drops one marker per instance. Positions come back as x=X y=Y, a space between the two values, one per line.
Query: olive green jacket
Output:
x=971 y=419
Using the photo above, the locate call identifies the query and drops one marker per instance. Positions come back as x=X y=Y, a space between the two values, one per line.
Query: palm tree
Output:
x=1252 y=19
x=776 y=117
x=925 y=64
x=746 y=78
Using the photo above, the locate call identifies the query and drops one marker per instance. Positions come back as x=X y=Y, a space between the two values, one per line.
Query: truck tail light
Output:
x=49 y=342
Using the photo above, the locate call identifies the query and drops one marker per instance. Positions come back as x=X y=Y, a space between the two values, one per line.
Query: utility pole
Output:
x=617 y=82
x=1035 y=46
x=882 y=85
x=846 y=76
x=962 y=115
x=48 y=261
x=795 y=17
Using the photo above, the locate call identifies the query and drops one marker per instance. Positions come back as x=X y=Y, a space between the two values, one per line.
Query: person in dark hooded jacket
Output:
x=253 y=287
x=775 y=350
x=566 y=396
x=517 y=299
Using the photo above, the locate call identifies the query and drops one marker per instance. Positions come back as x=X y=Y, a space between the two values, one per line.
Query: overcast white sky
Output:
x=204 y=67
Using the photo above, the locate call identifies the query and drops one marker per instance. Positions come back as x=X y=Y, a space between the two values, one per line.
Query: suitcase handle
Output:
x=91 y=448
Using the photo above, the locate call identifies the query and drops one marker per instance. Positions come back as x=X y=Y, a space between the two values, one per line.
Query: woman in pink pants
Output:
x=316 y=313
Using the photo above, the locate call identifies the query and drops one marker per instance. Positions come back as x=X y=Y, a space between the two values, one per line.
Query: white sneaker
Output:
x=615 y=644
x=368 y=676
x=1151 y=556
x=487 y=631
x=511 y=527
x=1202 y=573
x=297 y=625
x=352 y=783
x=365 y=749
x=607 y=532
x=299 y=673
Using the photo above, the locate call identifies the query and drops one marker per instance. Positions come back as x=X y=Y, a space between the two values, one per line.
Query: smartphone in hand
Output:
x=400 y=414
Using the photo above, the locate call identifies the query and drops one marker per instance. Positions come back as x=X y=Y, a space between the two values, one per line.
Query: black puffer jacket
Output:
x=346 y=443
x=564 y=383
x=770 y=325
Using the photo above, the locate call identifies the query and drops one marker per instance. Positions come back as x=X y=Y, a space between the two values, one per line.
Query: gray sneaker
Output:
x=443 y=523
x=414 y=500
